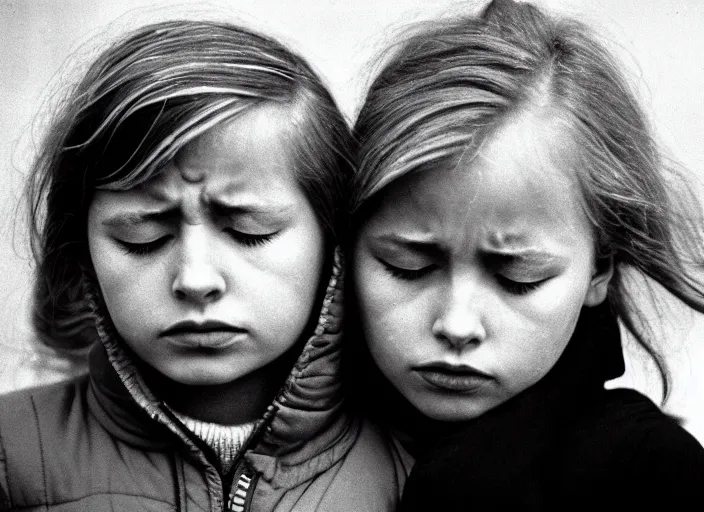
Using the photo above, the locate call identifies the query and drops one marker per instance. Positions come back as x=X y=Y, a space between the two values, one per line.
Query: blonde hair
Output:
x=451 y=86
x=142 y=100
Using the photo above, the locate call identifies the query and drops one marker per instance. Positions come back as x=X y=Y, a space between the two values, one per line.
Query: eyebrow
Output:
x=158 y=194
x=523 y=257
x=220 y=208
x=135 y=218
x=515 y=246
x=422 y=244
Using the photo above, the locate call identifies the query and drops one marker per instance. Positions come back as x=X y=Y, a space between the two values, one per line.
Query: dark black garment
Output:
x=566 y=443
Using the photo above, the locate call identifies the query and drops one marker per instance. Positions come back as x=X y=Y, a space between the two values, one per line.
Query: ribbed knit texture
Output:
x=225 y=440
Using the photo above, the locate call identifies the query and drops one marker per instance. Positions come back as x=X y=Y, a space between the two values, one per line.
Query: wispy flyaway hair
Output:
x=141 y=101
x=449 y=87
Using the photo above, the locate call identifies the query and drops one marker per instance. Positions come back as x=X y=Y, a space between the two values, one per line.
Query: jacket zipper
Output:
x=244 y=478
x=241 y=492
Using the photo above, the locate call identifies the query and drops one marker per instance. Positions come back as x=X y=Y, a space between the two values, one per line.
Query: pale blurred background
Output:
x=44 y=42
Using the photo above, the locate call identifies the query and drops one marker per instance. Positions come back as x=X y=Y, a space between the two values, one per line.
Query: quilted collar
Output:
x=305 y=419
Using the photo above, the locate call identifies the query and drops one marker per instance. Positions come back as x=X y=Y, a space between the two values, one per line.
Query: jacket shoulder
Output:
x=371 y=476
x=627 y=440
x=626 y=418
x=367 y=478
x=29 y=420
x=53 y=451
x=659 y=440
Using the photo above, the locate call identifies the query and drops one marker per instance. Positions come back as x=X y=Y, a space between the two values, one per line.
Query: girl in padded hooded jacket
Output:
x=187 y=204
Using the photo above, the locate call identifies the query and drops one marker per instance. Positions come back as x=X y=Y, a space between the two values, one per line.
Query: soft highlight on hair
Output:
x=449 y=87
x=141 y=101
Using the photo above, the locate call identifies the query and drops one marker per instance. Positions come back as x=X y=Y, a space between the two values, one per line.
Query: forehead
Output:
x=250 y=151
x=520 y=184
x=243 y=163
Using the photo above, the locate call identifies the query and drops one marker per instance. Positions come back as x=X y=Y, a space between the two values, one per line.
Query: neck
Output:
x=233 y=403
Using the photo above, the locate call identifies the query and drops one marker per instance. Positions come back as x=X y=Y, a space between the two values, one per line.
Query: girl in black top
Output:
x=507 y=187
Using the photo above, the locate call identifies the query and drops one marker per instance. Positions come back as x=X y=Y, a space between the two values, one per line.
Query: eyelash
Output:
x=407 y=274
x=518 y=287
x=251 y=240
x=145 y=248
x=513 y=287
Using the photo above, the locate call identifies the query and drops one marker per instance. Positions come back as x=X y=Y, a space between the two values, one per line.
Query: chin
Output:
x=200 y=376
x=451 y=410
x=199 y=380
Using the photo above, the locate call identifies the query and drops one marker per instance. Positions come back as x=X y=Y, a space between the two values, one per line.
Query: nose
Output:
x=459 y=322
x=197 y=278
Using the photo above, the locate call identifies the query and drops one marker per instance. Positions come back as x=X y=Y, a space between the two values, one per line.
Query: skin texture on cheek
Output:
x=211 y=271
x=471 y=279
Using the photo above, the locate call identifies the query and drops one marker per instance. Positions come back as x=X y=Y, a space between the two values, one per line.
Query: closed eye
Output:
x=143 y=248
x=407 y=274
x=250 y=240
x=519 y=287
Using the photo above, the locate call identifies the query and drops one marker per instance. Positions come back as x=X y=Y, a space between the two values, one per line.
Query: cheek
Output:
x=374 y=303
x=539 y=338
x=288 y=278
x=130 y=300
x=555 y=306
x=558 y=329
x=535 y=358
x=392 y=321
x=537 y=328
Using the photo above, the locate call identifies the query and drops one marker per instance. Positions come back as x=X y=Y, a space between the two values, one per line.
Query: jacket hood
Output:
x=304 y=420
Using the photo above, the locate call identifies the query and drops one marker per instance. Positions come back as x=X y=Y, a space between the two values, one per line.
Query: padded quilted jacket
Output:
x=104 y=442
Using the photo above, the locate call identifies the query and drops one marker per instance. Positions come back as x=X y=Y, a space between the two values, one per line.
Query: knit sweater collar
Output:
x=226 y=441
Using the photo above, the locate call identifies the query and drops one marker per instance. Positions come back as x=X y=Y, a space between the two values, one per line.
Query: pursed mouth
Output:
x=452 y=369
x=190 y=327
x=456 y=378
x=203 y=335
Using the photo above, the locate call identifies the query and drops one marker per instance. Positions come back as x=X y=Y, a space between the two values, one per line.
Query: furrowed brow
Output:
x=524 y=258
x=428 y=247
x=270 y=208
x=136 y=218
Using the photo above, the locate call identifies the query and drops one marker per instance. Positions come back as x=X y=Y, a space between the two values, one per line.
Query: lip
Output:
x=457 y=378
x=209 y=334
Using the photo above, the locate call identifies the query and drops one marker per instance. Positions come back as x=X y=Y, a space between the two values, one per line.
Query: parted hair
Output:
x=144 y=98
x=451 y=85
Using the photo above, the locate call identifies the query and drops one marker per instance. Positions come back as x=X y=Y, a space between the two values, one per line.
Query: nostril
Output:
x=197 y=295
x=198 y=282
x=213 y=294
x=458 y=334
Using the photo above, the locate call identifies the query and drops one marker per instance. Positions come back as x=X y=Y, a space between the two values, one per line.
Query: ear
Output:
x=599 y=285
